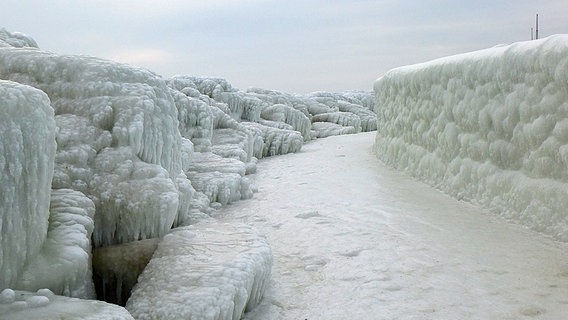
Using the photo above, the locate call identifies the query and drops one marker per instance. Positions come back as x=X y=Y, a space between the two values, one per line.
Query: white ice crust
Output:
x=490 y=127
x=208 y=270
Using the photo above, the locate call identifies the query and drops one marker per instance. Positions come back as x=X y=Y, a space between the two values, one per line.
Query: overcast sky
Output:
x=289 y=45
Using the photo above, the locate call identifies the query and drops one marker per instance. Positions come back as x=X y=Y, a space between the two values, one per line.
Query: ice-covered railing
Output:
x=490 y=127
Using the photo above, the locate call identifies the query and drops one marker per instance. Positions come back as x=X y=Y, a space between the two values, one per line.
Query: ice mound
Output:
x=276 y=141
x=15 y=39
x=117 y=171
x=27 y=152
x=221 y=179
x=358 y=103
x=118 y=139
x=489 y=127
x=328 y=129
x=64 y=262
x=45 y=305
x=210 y=270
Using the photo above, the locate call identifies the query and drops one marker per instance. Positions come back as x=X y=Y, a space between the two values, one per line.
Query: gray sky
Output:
x=288 y=45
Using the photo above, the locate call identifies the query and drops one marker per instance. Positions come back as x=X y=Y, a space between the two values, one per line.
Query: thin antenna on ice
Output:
x=537 y=26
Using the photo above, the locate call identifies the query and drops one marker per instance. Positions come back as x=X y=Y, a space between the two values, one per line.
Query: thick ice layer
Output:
x=276 y=141
x=327 y=129
x=221 y=179
x=45 y=305
x=64 y=263
x=285 y=114
x=141 y=195
x=133 y=104
x=118 y=139
x=345 y=119
x=356 y=102
x=489 y=126
x=27 y=152
x=209 y=270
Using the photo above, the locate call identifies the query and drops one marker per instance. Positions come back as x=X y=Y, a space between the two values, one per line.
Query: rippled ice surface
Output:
x=353 y=239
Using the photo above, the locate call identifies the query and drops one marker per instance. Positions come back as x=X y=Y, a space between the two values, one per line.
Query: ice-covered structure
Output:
x=208 y=270
x=490 y=127
x=99 y=154
x=27 y=151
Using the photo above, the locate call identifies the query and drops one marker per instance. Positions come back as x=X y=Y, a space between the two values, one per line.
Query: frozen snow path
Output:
x=353 y=239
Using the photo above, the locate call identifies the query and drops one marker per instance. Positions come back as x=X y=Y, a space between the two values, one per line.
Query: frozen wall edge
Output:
x=489 y=127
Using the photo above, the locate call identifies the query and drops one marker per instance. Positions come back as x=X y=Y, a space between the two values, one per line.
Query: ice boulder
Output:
x=27 y=152
x=489 y=126
x=210 y=270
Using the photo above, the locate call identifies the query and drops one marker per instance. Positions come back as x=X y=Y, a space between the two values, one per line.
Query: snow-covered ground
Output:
x=353 y=239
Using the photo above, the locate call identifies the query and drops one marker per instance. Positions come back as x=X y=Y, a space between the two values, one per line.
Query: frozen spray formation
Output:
x=490 y=127
x=27 y=151
x=96 y=153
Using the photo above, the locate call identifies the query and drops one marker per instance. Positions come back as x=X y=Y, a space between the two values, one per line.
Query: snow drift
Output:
x=490 y=127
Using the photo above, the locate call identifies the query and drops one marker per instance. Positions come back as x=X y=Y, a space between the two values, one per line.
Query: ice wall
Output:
x=490 y=127
x=27 y=150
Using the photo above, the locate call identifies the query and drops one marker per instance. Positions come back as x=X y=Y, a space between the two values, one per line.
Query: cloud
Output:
x=144 y=56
